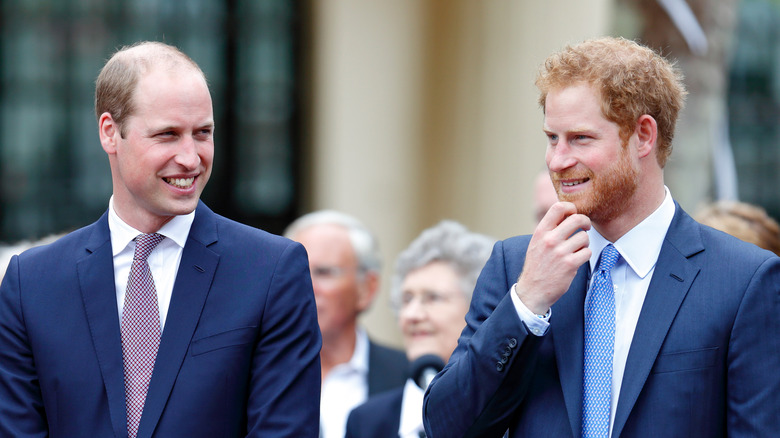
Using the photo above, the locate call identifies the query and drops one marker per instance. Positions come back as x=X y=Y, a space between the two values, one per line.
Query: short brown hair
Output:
x=117 y=80
x=632 y=79
x=744 y=221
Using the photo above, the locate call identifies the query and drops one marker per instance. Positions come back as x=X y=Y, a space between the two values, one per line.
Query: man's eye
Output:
x=321 y=272
x=326 y=271
x=432 y=297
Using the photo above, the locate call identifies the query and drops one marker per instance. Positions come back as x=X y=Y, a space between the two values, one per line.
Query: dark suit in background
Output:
x=387 y=368
x=345 y=264
x=378 y=417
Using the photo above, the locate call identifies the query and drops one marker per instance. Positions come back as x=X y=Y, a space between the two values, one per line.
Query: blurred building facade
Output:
x=53 y=173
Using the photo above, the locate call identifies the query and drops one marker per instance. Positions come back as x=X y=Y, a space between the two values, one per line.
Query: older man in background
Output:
x=345 y=268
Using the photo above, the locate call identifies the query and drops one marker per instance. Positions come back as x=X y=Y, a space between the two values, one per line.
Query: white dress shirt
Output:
x=343 y=389
x=411 y=423
x=639 y=249
x=163 y=260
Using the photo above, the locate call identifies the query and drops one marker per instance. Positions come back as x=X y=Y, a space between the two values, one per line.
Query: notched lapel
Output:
x=196 y=271
x=193 y=282
x=98 y=293
x=566 y=328
x=672 y=279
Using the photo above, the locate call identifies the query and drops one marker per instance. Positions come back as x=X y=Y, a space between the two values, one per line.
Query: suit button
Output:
x=499 y=366
x=508 y=351
x=512 y=342
x=504 y=359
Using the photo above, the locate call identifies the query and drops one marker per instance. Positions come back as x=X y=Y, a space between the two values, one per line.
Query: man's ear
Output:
x=369 y=285
x=647 y=135
x=109 y=133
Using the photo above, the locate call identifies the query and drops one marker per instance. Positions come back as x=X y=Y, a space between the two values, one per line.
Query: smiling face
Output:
x=162 y=164
x=588 y=162
x=433 y=308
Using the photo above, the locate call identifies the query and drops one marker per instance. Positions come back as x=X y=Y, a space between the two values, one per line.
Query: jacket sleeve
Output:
x=487 y=376
x=284 y=393
x=21 y=404
x=753 y=381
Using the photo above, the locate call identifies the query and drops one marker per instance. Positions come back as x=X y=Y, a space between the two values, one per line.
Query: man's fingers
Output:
x=555 y=215
x=575 y=242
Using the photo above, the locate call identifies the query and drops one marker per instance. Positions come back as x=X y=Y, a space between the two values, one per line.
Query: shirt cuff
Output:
x=537 y=325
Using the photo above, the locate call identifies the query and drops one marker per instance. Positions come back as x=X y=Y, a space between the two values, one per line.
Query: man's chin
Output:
x=581 y=202
x=183 y=207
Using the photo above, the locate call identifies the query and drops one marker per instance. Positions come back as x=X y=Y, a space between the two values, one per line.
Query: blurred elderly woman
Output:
x=431 y=291
x=744 y=221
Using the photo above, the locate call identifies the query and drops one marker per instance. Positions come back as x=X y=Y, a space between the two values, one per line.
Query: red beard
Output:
x=609 y=194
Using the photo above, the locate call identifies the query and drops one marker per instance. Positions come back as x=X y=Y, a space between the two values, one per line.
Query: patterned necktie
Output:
x=599 y=348
x=140 y=330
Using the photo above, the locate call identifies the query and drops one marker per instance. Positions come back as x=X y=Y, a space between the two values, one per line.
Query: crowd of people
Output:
x=620 y=315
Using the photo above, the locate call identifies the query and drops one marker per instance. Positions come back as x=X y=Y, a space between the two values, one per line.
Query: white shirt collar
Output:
x=411 y=410
x=641 y=245
x=359 y=359
x=177 y=229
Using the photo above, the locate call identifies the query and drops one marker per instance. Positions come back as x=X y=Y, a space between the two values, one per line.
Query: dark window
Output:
x=54 y=176
x=754 y=103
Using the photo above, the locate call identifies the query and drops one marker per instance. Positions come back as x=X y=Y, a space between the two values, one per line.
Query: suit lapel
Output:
x=671 y=281
x=566 y=328
x=193 y=282
x=98 y=292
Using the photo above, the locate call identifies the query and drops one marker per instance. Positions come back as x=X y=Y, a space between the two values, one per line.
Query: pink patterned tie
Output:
x=140 y=330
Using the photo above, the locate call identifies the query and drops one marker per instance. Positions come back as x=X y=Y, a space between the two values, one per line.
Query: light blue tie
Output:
x=599 y=348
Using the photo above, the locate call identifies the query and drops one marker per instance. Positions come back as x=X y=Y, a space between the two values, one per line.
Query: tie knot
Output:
x=609 y=256
x=145 y=244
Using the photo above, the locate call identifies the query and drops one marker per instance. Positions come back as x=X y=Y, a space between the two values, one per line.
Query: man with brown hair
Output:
x=620 y=315
x=162 y=318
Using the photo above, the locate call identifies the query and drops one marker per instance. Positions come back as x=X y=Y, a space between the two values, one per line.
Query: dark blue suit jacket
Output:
x=239 y=354
x=388 y=368
x=378 y=417
x=704 y=361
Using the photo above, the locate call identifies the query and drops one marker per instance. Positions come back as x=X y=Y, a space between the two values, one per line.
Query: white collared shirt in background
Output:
x=411 y=423
x=163 y=261
x=344 y=388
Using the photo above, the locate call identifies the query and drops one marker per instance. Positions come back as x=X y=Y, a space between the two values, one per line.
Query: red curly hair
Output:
x=632 y=79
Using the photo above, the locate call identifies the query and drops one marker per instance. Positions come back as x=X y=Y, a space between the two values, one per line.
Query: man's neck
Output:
x=337 y=350
x=639 y=210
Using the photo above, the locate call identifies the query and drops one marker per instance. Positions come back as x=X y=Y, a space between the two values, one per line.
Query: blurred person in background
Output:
x=544 y=195
x=744 y=221
x=345 y=268
x=431 y=290
x=8 y=251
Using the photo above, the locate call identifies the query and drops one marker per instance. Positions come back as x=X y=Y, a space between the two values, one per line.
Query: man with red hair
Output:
x=620 y=315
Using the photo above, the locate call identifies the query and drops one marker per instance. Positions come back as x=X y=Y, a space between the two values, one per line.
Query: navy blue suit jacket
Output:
x=239 y=354
x=704 y=360
x=388 y=368
x=378 y=417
